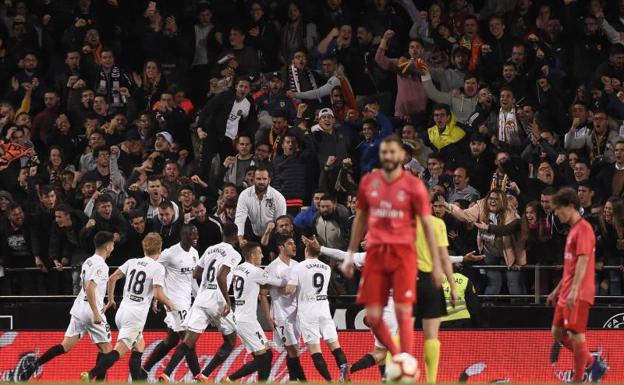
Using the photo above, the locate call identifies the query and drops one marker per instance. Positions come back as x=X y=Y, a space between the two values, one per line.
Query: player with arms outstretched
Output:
x=389 y=200
x=309 y=280
x=179 y=261
x=87 y=312
x=145 y=281
x=212 y=306
x=574 y=294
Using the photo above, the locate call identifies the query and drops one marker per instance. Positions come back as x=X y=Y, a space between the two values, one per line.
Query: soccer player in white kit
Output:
x=310 y=280
x=145 y=281
x=87 y=312
x=248 y=278
x=282 y=313
x=378 y=355
x=212 y=306
x=179 y=261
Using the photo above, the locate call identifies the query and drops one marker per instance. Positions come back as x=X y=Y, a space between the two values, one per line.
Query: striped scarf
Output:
x=293 y=78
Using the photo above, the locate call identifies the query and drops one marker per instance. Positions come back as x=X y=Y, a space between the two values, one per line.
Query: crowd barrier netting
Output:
x=466 y=356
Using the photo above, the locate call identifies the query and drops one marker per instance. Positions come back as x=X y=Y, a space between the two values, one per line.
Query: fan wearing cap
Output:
x=273 y=98
x=223 y=118
x=329 y=140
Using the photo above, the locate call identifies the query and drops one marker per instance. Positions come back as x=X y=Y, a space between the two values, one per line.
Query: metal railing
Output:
x=536 y=296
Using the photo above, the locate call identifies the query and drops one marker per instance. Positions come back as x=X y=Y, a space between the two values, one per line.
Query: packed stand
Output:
x=135 y=116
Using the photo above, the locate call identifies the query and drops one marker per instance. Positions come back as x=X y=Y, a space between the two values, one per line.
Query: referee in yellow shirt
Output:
x=431 y=304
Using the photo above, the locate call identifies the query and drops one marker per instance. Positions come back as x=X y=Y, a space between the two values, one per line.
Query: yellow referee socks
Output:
x=432 y=359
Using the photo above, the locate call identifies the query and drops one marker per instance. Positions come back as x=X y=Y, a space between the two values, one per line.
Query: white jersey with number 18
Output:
x=142 y=274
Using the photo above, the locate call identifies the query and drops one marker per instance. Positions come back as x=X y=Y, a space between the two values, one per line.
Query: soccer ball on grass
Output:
x=402 y=368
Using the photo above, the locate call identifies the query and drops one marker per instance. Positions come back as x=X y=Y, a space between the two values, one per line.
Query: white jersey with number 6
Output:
x=142 y=274
x=222 y=254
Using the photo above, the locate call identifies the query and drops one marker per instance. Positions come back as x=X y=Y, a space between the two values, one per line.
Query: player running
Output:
x=282 y=314
x=388 y=202
x=212 y=306
x=145 y=281
x=179 y=261
x=246 y=283
x=309 y=280
x=574 y=294
x=87 y=312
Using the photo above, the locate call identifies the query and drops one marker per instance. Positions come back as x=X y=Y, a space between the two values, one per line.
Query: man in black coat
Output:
x=223 y=118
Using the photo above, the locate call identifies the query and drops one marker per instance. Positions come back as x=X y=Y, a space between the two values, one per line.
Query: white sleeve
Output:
x=159 y=276
x=232 y=259
x=358 y=258
x=264 y=277
x=280 y=205
x=456 y=258
x=241 y=214
x=164 y=257
x=124 y=268
x=334 y=253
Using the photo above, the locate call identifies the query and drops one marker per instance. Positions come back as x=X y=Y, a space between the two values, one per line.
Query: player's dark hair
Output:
x=566 y=196
x=249 y=248
x=101 y=238
x=187 y=229
x=280 y=240
x=230 y=231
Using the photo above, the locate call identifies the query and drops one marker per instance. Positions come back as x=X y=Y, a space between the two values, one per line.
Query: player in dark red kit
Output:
x=388 y=202
x=574 y=294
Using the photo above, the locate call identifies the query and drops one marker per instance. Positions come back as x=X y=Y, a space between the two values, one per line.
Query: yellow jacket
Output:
x=451 y=134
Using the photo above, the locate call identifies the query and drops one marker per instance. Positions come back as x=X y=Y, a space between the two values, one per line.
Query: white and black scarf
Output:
x=293 y=78
x=109 y=85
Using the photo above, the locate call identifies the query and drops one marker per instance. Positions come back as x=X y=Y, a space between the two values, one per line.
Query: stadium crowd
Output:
x=134 y=116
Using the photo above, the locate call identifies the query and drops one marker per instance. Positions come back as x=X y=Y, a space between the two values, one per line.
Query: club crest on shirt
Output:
x=375 y=187
x=401 y=196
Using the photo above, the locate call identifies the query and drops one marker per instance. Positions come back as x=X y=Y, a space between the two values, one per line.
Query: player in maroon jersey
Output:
x=388 y=202
x=574 y=294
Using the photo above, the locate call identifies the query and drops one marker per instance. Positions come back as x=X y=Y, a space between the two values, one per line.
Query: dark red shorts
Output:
x=388 y=267
x=573 y=319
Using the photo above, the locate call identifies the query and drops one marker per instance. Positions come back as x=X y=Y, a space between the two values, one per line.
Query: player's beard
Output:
x=390 y=166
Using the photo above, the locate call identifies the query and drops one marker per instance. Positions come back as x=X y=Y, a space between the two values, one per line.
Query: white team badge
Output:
x=408 y=294
x=401 y=196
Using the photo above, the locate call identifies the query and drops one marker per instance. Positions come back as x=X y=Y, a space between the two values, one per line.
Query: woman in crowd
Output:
x=499 y=249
